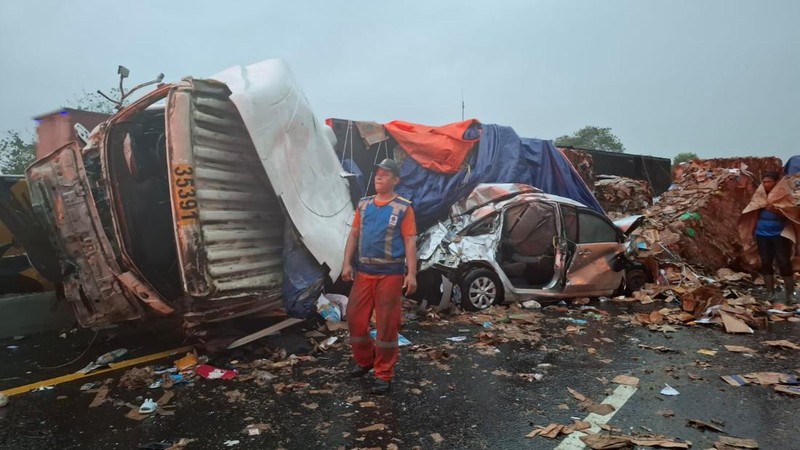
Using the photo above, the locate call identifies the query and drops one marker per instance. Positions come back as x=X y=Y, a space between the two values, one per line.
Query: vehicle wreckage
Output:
x=183 y=200
x=222 y=197
x=512 y=242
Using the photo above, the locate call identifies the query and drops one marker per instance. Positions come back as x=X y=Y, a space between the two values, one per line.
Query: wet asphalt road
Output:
x=461 y=399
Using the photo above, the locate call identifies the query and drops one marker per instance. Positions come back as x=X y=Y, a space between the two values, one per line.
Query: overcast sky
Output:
x=719 y=78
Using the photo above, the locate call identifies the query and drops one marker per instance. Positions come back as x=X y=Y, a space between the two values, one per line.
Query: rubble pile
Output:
x=623 y=196
x=697 y=218
x=689 y=302
x=582 y=162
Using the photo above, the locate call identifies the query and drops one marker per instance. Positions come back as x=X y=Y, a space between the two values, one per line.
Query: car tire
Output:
x=478 y=289
x=635 y=279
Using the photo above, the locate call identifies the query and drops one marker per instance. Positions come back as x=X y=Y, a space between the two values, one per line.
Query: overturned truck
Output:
x=189 y=199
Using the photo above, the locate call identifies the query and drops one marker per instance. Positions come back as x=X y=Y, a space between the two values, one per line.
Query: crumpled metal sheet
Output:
x=487 y=193
x=297 y=153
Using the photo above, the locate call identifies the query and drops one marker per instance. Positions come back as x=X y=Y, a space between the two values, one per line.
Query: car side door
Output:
x=595 y=249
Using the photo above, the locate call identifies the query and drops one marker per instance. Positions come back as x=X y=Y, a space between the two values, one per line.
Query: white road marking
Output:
x=621 y=395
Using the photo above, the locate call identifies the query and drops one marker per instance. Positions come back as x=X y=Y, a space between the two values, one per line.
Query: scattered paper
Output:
x=707 y=352
x=457 y=338
x=669 y=390
x=437 y=438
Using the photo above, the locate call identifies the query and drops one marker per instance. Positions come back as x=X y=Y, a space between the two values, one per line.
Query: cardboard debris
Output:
x=602 y=409
x=734 y=324
x=255 y=429
x=552 y=431
x=580 y=425
x=578 y=396
x=738 y=349
x=376 y=427
x=659 y=442
x=697 y=219
x=707 y=352
x=700 y=425
x=727 y=442
x=589 y=405
x=604 y=441
x=187 y=362
x=767 y=378
x=660 y=348
x=783 y=343
x=734 y=380
x=582 y=162
x=181 y=444
x=100 y=398
x=626 y=380
x=788 y=390
x=623 y=195
x=137 y=378
x=235 y=396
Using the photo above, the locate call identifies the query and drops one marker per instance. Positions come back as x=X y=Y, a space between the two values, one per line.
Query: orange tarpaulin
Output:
x=441 y=149
x=781 y=197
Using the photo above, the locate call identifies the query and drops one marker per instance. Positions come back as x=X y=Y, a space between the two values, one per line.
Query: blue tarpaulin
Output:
x=303 y=276
x=502 y=157
x=792 y=165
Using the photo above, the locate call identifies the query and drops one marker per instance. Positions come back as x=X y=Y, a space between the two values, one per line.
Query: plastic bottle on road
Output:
x=111 y=356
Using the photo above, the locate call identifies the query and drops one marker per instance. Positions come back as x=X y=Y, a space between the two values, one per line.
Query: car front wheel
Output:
x=478 y=289
x=635 y=279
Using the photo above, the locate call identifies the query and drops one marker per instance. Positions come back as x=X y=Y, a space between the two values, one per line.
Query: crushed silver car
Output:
x=512 y=242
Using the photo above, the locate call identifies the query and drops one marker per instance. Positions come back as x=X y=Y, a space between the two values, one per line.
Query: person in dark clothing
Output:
x=772 y=246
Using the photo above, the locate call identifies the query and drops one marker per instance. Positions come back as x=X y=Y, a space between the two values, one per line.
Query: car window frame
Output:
x=617 y=232
x=490 y=218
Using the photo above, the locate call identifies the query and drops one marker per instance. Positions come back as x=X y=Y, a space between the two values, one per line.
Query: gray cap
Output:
x=390 y=165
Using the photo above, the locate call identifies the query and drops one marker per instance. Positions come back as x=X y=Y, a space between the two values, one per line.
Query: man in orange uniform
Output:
x=384 y=233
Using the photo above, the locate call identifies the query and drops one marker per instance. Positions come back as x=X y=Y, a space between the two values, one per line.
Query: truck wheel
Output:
x=478 y=289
